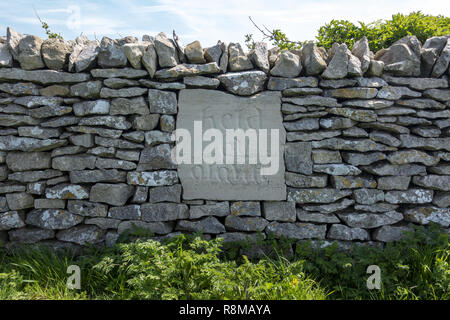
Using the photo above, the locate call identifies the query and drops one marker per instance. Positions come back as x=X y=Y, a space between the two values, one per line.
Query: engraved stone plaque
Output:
x=247 y=164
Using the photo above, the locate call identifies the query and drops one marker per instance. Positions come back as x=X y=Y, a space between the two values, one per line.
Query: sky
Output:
x=206 y=21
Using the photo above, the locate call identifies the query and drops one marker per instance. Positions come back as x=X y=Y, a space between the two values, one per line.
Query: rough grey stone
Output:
x=384 y=169
x=112 y=53
x=213 y=54
x=6 y=59
x=52 y=219
x=49 y=204
x=92 y=176
x=417 y=83
x=243 y=83
x=10 y=220
x=167 y=123
x=342 y=232
x=42 y=76
x=279 y=211
x=122 y=93
x=162 y=85
x=134 y=53
x=153 y=179
x=146 y=122
x=363 y=145
x=86 y=58
x=158 y=157
x=412 y=156
x=73 y=162
x=442 y=62
x=103 y=223
x=158 y=212
x=350 y=182
x=219 y=209
x=302 y=124
x=326 y=156
x=113 y=194
x=165 y=194
x=442 y=199
x=411 y=141
x=396 y=93
x=87 y=90
x=425 y=215
x=391 y=233
x=24 y=161
x=361 y=50
x=298 y=157
x=162 y=101
x=67 y=191
x=55 y=53
x=312 y=101
x=153 y=227
x=393 y=182
x=30 y=53
x=338 y=66
x=140 y=195
x=206 y=225
x=201 y=82
x=296 y=230
x=130 y=212
x=165 y=48
x=87 y=209
x=276 y=83
x=238 y=60
x=368 y=196
x=194 y=52
x=288 y=65
x=119 y=83
x=370 y=220
x=313 y=217
x=115 y=122
x=30 y=235
x=187 y=70
x=329 y=208
x=312 y=60
x=409 y=196
x=316 y=195
x=432 y=181
x=244 y=208
x=247 y=224
x=305 y=181
x=81 y=235
x=19 y=201
x=33 y=176
x=38 y=132
x=336 y=169
x=128 y=73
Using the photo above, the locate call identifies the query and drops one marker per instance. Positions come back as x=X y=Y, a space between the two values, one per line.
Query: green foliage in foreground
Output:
x=192 y=268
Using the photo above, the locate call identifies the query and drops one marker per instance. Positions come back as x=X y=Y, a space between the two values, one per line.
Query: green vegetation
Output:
x=187 y=267
x=380 y=33
x=48 y=32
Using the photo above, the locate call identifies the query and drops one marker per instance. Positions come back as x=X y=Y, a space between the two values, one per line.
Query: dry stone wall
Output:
x=85 y=139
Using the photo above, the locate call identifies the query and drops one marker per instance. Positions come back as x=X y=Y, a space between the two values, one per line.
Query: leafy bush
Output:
x=414 y=268
x=187 y=267
x=381 y=34
x=183 y=269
